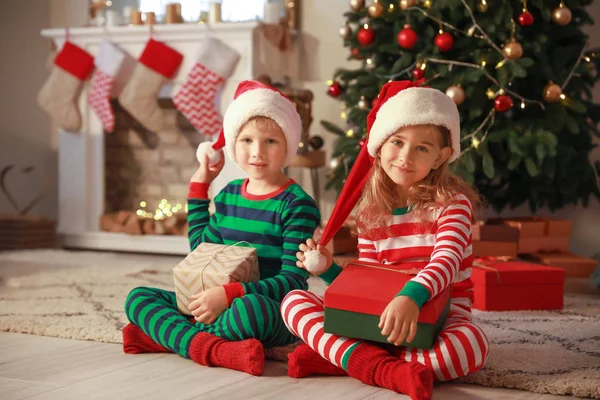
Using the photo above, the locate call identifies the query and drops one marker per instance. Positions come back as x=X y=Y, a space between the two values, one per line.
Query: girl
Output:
x=232 y=323
x=412 y=209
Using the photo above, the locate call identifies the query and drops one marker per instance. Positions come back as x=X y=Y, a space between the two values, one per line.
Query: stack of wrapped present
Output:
x=534 y=280
x=546 y=241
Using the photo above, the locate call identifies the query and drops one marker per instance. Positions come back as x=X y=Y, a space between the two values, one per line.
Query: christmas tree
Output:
x=520 y=72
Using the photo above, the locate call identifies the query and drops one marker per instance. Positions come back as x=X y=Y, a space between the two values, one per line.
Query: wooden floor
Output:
x=43 y=368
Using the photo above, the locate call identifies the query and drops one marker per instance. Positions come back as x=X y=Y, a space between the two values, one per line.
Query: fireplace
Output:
x=94 y=178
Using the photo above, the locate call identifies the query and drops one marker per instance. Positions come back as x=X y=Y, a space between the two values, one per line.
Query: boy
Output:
x=234 y=322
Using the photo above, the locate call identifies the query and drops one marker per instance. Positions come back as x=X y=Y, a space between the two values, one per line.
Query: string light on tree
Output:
x=561 y=15
x=407 y=37
x=350 y=133
x=334 y=163
x=552 y=92
x=404 y=4
x=376 y=10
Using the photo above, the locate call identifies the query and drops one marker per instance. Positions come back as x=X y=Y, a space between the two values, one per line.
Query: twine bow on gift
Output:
x=11 y=199
x=214 y=256
x=479 y=263
x=412 y=271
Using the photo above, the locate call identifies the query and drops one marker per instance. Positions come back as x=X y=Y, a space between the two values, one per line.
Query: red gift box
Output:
x=357 y=297
x=516 y=285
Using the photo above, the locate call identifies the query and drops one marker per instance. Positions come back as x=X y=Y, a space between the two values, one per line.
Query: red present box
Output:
x=356 y=299
x=516 y=285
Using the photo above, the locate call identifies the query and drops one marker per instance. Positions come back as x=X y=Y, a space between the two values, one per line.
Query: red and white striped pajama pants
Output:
x=461 y=348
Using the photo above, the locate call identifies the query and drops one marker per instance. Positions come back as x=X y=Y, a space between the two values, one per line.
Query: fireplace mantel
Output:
x=81 y=154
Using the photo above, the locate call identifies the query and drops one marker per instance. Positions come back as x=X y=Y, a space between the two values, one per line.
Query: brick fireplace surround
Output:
x=85 y=191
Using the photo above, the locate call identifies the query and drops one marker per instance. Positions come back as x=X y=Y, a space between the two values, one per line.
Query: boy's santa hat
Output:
x=254 y=99
x=401 y=104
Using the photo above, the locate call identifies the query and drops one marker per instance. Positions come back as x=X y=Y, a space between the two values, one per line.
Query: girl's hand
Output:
x=206 y=173
x=310 y=246
x=208 y=305
x=399 y=320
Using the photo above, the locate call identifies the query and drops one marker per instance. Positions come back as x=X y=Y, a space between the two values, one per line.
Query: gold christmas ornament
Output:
x=482 y=6
x=357 y=5
x=513 y=50
x=345 y=32
x=552 y=92
x=363 y=104
x=404 y=4
x=561 y=15
x=456 y=93
x=376 y=10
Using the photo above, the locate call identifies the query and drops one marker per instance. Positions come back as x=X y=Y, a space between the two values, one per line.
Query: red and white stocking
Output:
x=215 y=63
x=157 y=64
x=108 y=61
x=60 y=93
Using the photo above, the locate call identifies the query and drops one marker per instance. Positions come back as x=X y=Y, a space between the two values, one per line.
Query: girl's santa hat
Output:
x=401 y=104
x=254 y=99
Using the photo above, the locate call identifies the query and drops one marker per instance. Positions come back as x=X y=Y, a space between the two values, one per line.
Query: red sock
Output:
x=247 y=355
x=135 y=341
x=304 y=361
x=374 y=366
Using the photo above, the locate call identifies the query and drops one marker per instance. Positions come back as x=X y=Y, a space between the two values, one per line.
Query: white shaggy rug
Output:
x=80 y=295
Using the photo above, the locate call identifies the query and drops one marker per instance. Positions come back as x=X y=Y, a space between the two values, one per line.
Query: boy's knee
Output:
x=136 y=293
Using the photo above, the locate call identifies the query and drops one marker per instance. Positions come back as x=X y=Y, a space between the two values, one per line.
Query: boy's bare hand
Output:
x=206 y=173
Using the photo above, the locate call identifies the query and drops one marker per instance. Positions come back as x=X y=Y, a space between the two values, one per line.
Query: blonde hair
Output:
x=436 y=190
x=262 y=123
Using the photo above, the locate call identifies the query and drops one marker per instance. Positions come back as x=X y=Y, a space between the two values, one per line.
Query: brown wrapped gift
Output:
x=527 y=226
x=538 y=226
x=497 y=233
x=26 y=232
x=212 y=265
x=574 y=265
x=488 y=248
x=555 y=244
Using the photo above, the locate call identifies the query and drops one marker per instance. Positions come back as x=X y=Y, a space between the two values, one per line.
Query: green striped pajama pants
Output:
x=155 y=312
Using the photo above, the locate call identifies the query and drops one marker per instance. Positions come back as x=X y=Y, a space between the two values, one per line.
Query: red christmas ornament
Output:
x=334 y=90
x=365 y=36
x=375 y=102
x=418 y=73
x=444 y=41
x=356 y=54
x=502 y=103
x=526 y=18
x=407 y=37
